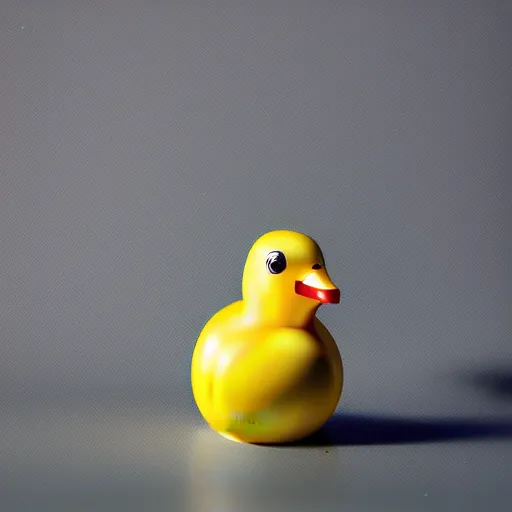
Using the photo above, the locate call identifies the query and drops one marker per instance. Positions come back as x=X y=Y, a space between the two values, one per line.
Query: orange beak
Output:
x=318 y=286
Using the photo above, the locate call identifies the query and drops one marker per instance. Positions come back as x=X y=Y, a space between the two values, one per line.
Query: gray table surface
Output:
x=144 y=145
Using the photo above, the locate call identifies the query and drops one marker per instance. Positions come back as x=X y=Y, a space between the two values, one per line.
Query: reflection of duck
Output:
x=265 y=369
x=254 y=478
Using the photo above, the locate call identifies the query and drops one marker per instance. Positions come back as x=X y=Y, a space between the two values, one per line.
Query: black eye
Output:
x=276 y=262
x=316 y=266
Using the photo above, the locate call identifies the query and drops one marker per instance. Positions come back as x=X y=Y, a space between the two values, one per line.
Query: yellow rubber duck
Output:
x=265 y=370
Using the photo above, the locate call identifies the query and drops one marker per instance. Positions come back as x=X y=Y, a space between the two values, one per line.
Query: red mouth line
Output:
x=324 y=296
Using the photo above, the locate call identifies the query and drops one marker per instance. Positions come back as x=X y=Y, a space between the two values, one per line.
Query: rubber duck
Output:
x=265 y=370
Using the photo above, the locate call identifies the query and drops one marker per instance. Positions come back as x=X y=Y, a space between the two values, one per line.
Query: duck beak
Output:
x=318 y=286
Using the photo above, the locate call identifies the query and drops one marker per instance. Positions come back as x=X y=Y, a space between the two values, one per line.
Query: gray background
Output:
x=144 y=146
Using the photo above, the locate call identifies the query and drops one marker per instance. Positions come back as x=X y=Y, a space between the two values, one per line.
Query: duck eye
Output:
x=276 y=262
x=316 y=266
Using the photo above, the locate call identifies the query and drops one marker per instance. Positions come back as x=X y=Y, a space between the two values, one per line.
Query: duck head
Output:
x=285 y=280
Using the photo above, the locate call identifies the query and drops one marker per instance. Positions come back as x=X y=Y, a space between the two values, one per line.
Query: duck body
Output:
x=265 y=369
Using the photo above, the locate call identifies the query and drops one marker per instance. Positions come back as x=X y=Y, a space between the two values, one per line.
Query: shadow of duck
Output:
x=366 y=429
